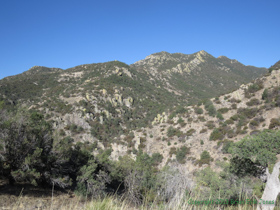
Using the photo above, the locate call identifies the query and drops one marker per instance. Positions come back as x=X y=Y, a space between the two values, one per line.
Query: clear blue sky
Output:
x=66 y=33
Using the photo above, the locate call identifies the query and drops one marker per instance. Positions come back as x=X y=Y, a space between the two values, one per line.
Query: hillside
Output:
x=214 y=124
x=198 y=75
x=114 y=125
x=109 y=99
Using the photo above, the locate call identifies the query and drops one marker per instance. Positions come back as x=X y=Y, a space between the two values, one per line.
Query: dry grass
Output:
x=29 y=197
x=70 y=202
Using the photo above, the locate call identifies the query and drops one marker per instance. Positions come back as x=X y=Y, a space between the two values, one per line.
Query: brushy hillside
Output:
x=109 y=99
x=108 y=129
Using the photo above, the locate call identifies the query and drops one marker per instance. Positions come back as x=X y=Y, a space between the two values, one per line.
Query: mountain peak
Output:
x=276 y=66
x=162 y=53
x=203 y=52
x=41 y=69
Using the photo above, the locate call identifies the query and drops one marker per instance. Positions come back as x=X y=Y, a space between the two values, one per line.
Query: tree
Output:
x=139 y=177
x=261 y=150
x=29 y=153
x=94 y=176
x=265 y=94
x=26 y=145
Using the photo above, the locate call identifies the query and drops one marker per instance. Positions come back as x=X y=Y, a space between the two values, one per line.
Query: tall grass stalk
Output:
x=119 y=203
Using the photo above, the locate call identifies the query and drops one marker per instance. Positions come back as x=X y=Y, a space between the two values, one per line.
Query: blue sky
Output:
x=69 y=33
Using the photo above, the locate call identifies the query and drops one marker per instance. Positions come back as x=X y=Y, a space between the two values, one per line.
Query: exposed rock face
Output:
x=186 y=63
x=128 y=101
x=272 y=189
x=89 y=97
x=160 y=118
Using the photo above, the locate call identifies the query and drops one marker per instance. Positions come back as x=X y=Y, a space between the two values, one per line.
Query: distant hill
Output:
x=112 y=98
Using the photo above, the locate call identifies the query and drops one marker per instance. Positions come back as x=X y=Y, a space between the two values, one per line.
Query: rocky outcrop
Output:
x=160 y=118
x=128 y=101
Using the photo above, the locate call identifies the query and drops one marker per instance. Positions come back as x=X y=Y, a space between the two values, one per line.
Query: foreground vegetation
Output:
x=114 y=203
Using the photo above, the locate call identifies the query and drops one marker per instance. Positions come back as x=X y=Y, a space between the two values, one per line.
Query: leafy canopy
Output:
x=261 y=149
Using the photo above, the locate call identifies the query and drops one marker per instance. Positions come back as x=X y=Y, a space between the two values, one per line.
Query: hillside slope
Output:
x=212 y=125
x=198 y=75
x=100 y=102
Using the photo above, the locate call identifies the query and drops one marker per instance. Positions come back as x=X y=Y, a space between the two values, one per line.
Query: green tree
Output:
x=265 y=94
x=259 y=152
x=26 y=147
x=139 y=177
x=30 y=154
x=181 y=154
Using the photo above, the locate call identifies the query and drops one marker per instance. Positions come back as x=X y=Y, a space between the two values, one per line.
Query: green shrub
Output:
x=210 y=124
x=234 y=100
x=205 y=158
x=181 y=154
x=247 y=112
x=198 y=110
x=257 y=85
x=181 y=122
x=233 y=106
x=265 y=94
x=201 y=118
x=229 y=122
x=234 y=117
x=253 y=102
x=274 y=123
x=210 y=108
x=226 y=145
x=172 y=115
x=253 y=123
x=171 y=131
x=216 y=134
x=217 y=100
x=157 y=158
x=219 y=116
x=223 y=110
x=231 y=133
x=226 y=98
x=172 y=151
x=180 y=110
x=129 y=139
x=203 y=130
x=190 y=132
x=142 y=143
